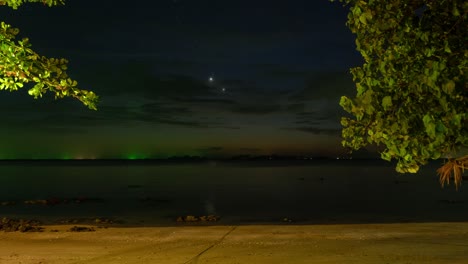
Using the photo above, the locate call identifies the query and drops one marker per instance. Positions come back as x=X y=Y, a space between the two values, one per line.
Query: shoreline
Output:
x=358 y=243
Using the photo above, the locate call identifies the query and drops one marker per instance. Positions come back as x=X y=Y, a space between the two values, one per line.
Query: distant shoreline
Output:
x=190 y=161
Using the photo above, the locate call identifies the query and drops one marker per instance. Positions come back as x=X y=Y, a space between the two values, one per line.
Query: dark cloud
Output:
x=140 y=78
x=169 y=114
x=211 y=149
x=257 y=109
x=164 y=109
x=250 y=150
x=284 y=72
x=72 y=120
x=40 y=127
x=59 y=130
x=195 y=120
x=306 y=114
x=175 y=87
x=184 y=123
x=296 y=107
x=204 y=101
x=318 y=117
x=319 y=130
x=20 y=111
x=326 y=85
x=312 y=122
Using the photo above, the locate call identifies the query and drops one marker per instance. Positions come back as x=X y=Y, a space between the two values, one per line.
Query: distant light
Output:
x=211 y=79
x=135 y=156
x=132 y=157
x=84 y=157
x=223 y=89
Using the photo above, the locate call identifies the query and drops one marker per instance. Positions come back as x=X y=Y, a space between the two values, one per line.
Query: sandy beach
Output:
x=341 y=243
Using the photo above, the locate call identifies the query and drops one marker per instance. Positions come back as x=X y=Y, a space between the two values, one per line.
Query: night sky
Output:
x=185 y=77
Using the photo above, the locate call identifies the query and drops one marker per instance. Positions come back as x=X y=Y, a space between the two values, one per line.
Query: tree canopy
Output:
x=20 y=65
x=412 y=91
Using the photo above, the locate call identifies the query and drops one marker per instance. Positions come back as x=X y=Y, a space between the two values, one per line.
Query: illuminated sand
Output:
x=362 y=243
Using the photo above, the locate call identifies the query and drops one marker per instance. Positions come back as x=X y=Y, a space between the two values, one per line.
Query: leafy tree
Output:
x=412 y=91
x=20 y=65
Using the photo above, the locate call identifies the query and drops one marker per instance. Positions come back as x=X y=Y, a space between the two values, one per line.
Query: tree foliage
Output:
x=412 y=91
x=20 y=65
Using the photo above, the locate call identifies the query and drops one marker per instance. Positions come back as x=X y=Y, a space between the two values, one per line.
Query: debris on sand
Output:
x=203 y=218
x=102 y=220
x=81 y=229
x=21 y=225
x=55 y=201
x=6 y=203
x=90 y=221
x=39 y=201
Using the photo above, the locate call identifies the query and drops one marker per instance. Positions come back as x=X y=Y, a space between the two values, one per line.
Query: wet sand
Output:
x=285 y=243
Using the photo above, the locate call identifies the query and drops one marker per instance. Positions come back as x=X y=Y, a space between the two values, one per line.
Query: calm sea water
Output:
x=328 y=192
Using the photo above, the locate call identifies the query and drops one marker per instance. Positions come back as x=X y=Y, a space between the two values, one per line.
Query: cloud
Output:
x=164 y=109
x=329 y=115
x=279 y=71
x=319 y=130
x=211 y=149
x=142 y=78
x=184 y=123
x=173 y=113
x=257 y=109
x=319 y=120
x=295 y=107
x=325 y=85
x=206 y=101
x=250 y=149
x=134 y=93
x=316 y=107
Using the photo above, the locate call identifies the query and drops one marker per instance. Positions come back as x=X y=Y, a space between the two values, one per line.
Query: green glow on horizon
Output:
x=135 y=156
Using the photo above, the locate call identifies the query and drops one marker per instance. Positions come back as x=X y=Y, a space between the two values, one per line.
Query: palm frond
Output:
x=453 y=166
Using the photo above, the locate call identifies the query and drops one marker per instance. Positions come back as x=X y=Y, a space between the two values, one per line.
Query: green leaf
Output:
x=363 y=19
x=455 y=11
x=449 y=87
x=386 y=156
x=440 y=127
x=446 y=47
x=456 y=120
x=387 y=102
